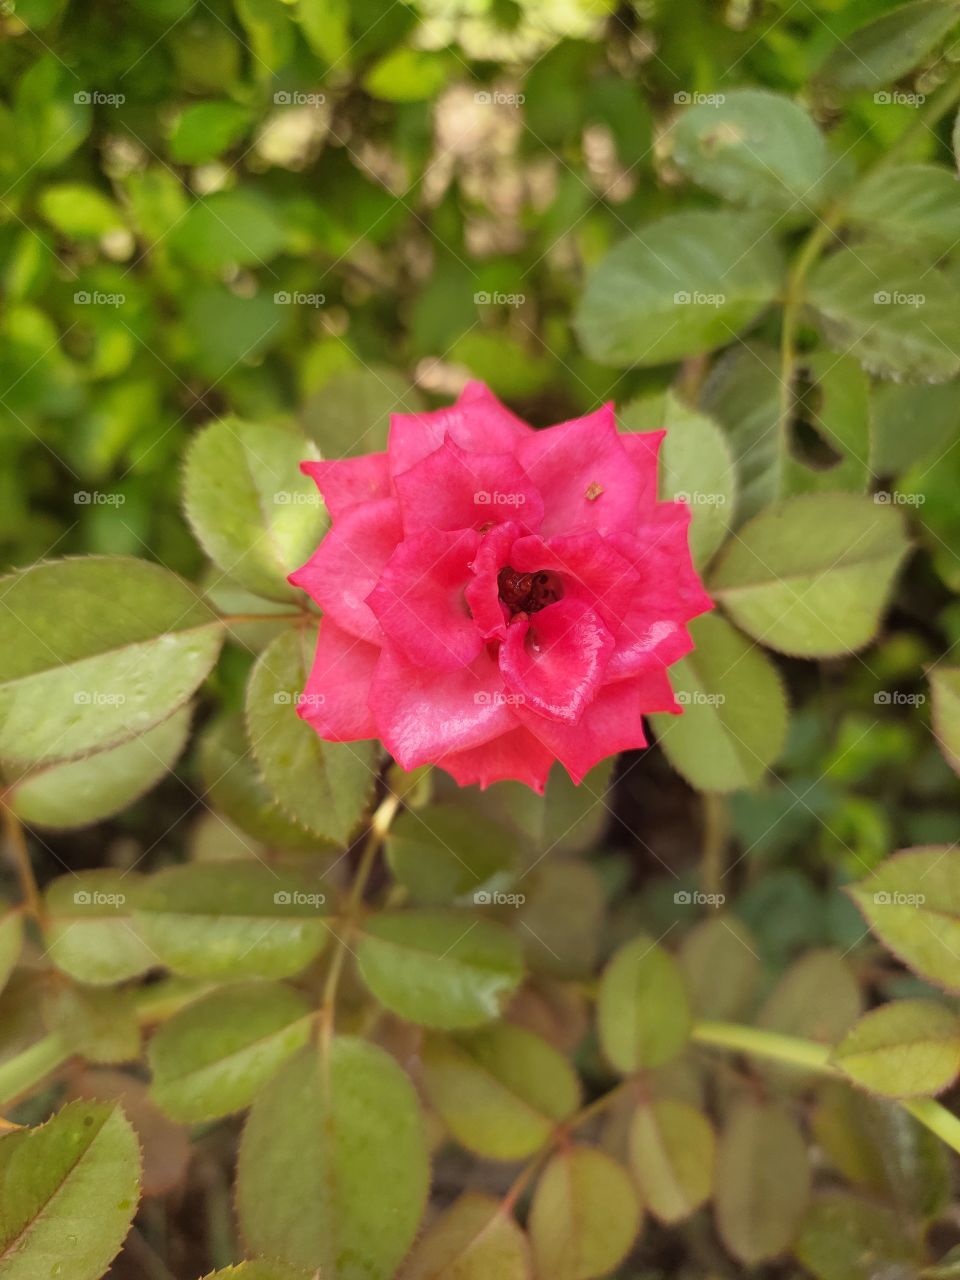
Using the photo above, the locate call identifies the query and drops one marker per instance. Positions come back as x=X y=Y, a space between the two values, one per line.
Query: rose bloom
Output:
x=496 y=598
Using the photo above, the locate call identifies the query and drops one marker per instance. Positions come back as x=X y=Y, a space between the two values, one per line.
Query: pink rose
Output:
x=496 y=598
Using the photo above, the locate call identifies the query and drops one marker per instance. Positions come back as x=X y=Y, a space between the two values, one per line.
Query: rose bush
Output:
x=496 y=598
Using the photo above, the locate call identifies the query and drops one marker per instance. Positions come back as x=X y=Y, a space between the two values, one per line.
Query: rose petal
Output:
x=659 y=550
x=585 y=474
x=612 y=722
x=555 y=659
x=419 y=599
x=454 y=489
x=423 y=714
x=347 y=565
x=516 y=755
x=589 y=567
x=335 y=700
x=490 y=615
x=347 y=481
x=478 y=422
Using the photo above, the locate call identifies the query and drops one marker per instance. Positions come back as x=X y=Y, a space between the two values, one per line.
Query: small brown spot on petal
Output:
x=594 y=490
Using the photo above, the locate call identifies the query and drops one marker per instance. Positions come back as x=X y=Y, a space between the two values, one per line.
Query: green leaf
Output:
x=441 y=971
x=11 y=940
x=911 y=423
x=754 y=148
x=742 y=393
x=945 y=692
x=562 y=918
x=326 y=26
x=818 y=998
x=234 y=785
x=213 y=1057
x=350 y=414
x=444 y=852
x=205 y=130
x=905 y=1049
x=680 y=286
x=68 y=1193
x=895 y=313
x=565 y=819
x=500 y=1091
x=94 y=652
x=672 y=1148
x=333 y=1170
x=762 y=1181
x=77 y=792
x=260 y=1270
x=643 y=1013
x=912 y=903
x=916 y=204
x=79 y=211
x=810 y=576
x=98 y=1023
x=408 y=75
x=888 y=47
x=584 y=1216
x=844 y=1237
x=721 y=968
x=231 y=920
x=252 y=511
x=696 y=466
x=834 y=453
x=229 y=228
x=89 y=930
x=734 y=716
x=323 y=786
x=475 y=1239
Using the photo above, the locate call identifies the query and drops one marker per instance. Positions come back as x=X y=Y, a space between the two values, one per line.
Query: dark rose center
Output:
x=528 y=592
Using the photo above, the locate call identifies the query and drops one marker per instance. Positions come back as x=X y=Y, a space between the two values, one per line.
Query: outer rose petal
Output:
x=644 y=449
x=454 y=489
x=610 y=724
x=422 y=714
x=516 y=755
x=347 y=565
x=419 y=599
x=478 y=422
x=585 y=474
x=659 y=549
x=555 y=659
x=490 y=615
x=335 y=699
x=347 y=481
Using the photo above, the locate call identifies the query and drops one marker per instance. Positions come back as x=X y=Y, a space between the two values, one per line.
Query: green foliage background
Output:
x=235 y=235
